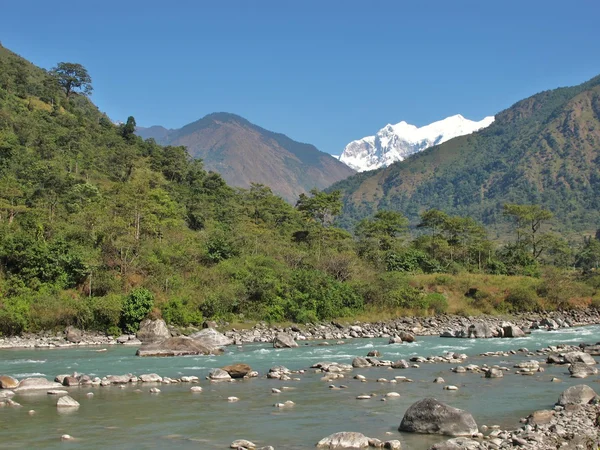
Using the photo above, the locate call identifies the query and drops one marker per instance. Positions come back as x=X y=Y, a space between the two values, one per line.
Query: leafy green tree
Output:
x=72 y=77
x=385 y=227
x=528 y=223
x=128 y=129
x=136 y=307
x=321 y=207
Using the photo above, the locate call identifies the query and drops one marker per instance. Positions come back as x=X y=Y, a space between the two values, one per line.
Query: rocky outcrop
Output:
x=581 y=394
x=344 y=440
x=284 y=340
x=434 y=417
x=153 y=331
x=176 y=346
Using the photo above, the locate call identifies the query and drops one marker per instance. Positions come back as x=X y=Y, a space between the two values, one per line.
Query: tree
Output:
x=72 y=77
x=385 y=227
x=321 y=207
x=529 y=220
x=128 y=130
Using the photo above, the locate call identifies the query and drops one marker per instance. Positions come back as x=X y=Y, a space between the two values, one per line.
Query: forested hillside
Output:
x=543 y=150
x=99 y=228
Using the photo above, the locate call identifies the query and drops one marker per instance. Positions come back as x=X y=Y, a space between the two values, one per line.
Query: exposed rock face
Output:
x=434 y=417
x=7 y=382
x=581 y=394
x=237 y=370
x=153 y=331
x=284 y=340
x=211 y=338
x=176 y=346
x=344 y=440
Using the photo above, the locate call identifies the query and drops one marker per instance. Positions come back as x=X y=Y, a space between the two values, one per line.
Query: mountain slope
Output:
x=244 y=153
x=396 y=142
x=544 y=149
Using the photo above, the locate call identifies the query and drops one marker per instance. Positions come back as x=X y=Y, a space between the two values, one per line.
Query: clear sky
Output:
x=323 y=72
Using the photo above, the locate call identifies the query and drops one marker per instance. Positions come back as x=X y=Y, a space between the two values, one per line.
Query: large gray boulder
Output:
x=211 y=338
x=581 y=394
x=219 y=375
x=238 y=370
x=480 y=330
x=360 y=362
x=67 y=402
x=176 y=346
x=153 y=331
x=581 y=370
x=512 y=331
x=431 y=416
x=582 y=357
x=73 y=334
x=284 y=340
x=37 y=383
x=344 y=440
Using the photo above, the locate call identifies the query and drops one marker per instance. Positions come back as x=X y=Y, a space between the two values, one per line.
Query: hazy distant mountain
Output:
x=395 y=142
x=543 y=150
x=244 y=153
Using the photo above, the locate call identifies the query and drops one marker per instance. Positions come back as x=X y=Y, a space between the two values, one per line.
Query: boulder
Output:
x=7 y=382
x=512 y=331
x=344 y=440
x=150 y=378
x=176 y=346
x=360 y=363
x=209 y=324
x=494 y=373
x=70 y=381
x=579 y=357
x=284 y=340
x=374 y=354
x=581 y=370
x=406 y=337
x=400 y=364
x=242 y=443
x=434 y=417
x=237 y=370
x=480 y=330
x=67 y=402
x=211 y=338
x=392 y=445
x=37 y=383
x=219 y=375
x=581 y=394
x=541 y=417
x=153 y=331
x=117 y=379
x=73 y=334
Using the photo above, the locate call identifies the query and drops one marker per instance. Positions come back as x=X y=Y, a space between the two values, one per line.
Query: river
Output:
x=132 y=418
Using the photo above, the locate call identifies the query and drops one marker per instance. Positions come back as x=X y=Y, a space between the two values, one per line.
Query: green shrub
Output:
x=522 y=299
x=437 y=302
x=14 y=316
x=179 y=312
x=107 y=311
x=136 y=307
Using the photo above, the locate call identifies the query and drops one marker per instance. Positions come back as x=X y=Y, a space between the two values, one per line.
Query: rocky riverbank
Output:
x=444 y=325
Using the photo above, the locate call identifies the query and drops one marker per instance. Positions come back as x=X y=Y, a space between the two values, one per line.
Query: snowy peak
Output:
x=395 y=142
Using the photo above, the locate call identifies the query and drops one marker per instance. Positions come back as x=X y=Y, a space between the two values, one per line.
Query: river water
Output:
x=132 y=418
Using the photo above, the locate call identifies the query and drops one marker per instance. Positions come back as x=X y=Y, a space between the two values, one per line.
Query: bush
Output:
x=136 y=307
x=412 y=260
x=179 y=312
x=107 y=311
x=14 y=316
x=437 y=302
x=522 y=299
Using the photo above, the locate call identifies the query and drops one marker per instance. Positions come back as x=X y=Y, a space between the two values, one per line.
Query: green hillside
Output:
x=99 y=229
x=543 y=150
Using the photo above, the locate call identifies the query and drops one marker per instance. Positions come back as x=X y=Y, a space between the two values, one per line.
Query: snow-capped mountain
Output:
x=395 y=142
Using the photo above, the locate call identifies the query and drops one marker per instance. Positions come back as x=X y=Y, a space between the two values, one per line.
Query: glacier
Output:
x=396 y=142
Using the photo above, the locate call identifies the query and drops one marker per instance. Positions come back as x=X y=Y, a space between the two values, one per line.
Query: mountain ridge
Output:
x=245 y=153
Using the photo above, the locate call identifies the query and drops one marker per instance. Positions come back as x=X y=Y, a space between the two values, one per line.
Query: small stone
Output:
x=66 y=437
x=67 y=402
x=232 y=399
x=196 y=389
x=155 y=390
x=451 y=388
x=242 y=443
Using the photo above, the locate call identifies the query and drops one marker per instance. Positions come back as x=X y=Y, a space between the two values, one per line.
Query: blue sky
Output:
x=323 y=72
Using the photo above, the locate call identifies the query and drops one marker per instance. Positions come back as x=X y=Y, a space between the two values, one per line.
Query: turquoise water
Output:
x=176 y=418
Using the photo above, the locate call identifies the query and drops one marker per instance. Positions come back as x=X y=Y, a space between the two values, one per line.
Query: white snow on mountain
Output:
x=395 y=142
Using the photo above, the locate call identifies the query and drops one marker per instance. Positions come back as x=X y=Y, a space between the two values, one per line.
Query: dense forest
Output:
x=100 y=228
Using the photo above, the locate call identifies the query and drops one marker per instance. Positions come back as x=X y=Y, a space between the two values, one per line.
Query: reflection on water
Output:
x=132 y=418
